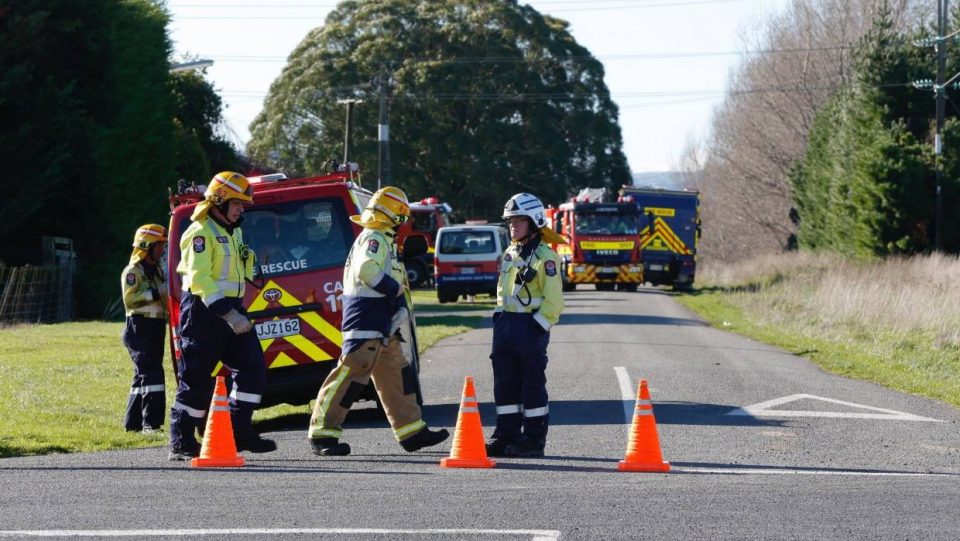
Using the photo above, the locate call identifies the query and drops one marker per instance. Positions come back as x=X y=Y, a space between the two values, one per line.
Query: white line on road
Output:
x=763 y=409
x=626 y=392
x=790 y=471
x=535 y=535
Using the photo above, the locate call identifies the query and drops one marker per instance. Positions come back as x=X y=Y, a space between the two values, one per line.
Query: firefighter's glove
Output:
x=238 y=322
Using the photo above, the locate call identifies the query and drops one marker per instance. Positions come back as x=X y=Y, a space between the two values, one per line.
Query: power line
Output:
x=284 y=17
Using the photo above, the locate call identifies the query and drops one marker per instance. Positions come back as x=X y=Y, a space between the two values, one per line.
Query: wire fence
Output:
x=36 y=294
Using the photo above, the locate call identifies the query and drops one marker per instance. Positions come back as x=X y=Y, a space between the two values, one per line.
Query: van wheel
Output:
x=416 y=273
x=447 y=297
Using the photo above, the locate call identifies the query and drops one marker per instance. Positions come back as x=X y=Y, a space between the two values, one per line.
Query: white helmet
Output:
x=524 y=204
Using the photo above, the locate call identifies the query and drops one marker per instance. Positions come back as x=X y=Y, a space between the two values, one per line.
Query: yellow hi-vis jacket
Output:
x=214 y=263
x=545 y=298
x=372 y=278
x=142 y=295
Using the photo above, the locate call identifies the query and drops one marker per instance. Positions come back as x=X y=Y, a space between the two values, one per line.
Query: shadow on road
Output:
x=562 y=412
x=624 y=319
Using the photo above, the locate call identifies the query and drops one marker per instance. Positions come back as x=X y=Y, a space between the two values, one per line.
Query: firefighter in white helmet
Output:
x=375 y=300
x=529 y=302
x=145 y=303
x=214 y=326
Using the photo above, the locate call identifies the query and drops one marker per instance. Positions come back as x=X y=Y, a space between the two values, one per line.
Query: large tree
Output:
x=486 y=99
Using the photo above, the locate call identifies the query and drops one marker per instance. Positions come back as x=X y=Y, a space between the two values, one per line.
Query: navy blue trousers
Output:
x=205 y=338
x=144 y=338
x=519 y=376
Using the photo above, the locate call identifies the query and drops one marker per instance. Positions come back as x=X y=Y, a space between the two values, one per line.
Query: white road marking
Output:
x=763 y=409
x=626 y=392
x=534 y=535
x=791 y=471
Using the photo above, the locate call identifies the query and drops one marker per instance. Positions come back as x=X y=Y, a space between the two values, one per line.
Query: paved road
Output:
x=763 y=446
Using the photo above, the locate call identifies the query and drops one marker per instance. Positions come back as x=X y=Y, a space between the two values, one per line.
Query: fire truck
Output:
x=669 y=234
x=602 y=247
x=426 y=217
x=300 y=232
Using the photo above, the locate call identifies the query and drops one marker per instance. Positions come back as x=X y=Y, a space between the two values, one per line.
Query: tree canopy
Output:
x=486 y=99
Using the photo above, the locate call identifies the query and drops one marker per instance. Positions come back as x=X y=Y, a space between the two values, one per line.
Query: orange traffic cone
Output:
x=468 y=450
x=218 y=450
x=643 y=447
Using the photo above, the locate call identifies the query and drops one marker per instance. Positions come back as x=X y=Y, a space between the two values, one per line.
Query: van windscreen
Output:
x=298 y=236
x=467 y=242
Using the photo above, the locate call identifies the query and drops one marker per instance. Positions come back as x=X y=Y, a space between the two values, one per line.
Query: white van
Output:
x=467 y=260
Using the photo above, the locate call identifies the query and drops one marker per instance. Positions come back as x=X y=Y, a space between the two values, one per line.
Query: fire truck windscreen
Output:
x=298 y=236
x=606 y=224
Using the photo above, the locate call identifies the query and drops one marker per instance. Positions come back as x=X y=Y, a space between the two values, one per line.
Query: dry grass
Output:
x=903 y=295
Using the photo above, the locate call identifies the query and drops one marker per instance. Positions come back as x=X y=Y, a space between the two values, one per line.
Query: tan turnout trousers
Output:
x=391 y=373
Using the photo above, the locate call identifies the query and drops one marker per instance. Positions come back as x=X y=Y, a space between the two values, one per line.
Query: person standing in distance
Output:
x=375 y=300
x=145 y=304
x=214 y=265
x=529 y=302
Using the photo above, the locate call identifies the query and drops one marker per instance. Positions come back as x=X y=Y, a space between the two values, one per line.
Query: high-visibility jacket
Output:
x=214 y=263
x=372 y=278
x=543 y=295
x=142 y=294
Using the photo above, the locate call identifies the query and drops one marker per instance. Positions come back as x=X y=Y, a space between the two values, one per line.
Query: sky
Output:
x=667 y=62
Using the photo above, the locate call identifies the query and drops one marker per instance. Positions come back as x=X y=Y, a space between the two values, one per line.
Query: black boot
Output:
x=183 y=446
x=424 y=438
x=248 y=440
x=526 y=448
x=329 y=447
x=497 y=446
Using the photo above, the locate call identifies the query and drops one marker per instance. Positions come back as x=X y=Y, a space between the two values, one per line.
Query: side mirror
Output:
x=414 y=247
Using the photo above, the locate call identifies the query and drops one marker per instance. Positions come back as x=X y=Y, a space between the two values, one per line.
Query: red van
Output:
x=301 y=233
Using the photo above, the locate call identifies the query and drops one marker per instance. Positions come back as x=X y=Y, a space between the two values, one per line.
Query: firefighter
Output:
x=375 y=300
x=529 y=302
x=145 y=300
x=213 y=323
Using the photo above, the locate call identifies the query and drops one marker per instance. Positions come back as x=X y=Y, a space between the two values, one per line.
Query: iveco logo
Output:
x=272 y=295
x=607 y=252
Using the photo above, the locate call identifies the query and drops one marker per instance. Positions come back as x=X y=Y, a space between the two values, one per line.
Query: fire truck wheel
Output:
x=567 y=286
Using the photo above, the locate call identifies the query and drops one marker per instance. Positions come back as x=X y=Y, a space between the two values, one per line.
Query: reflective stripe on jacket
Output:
x=214 y=263
x=545 y=297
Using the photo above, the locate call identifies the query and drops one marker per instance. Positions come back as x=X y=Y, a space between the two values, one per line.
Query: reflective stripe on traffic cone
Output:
x=468 y=450
x=218 y=450
x=643 y=446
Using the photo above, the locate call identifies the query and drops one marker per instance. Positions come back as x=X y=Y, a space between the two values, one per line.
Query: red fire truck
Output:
x=426 y=217
x=602 y=248
x=300 y=231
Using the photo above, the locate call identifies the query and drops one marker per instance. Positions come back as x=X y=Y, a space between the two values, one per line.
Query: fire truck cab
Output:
x=300 y=233
x=426 y=218
x=602 y=248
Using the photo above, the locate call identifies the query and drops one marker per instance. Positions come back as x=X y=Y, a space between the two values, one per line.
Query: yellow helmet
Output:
x=228 y=185
x=145 y=236
x=387 y=208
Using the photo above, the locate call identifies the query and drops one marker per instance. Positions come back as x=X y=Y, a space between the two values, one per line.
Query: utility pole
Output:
x=348 y=132
x=941 y=96
x=383 y=134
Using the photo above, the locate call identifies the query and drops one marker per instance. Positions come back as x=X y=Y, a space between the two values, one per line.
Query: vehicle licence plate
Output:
x=277 y=328
x=467 y=270
x=656 y=267
x=608 y=270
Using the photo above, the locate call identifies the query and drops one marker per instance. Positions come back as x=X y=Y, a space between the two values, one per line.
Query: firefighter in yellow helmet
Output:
x=374 y=309
x=529 y=302
x=145 y=301
x=213 y=267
